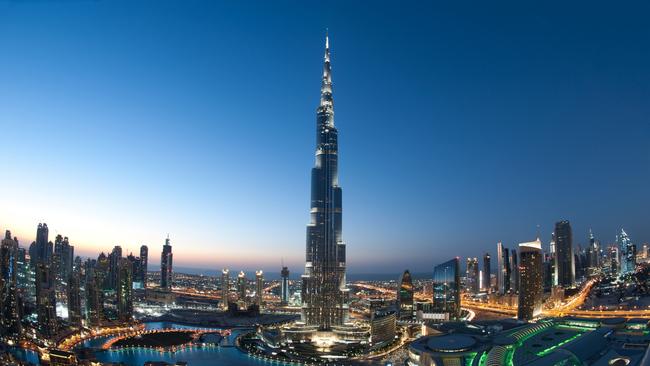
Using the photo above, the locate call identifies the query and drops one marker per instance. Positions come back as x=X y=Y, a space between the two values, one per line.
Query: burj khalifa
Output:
x=324 y=291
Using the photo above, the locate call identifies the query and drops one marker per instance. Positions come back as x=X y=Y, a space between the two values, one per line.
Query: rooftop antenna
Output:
x=538 y=232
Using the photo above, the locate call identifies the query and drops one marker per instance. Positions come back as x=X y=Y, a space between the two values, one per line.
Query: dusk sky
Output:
x=461 y=124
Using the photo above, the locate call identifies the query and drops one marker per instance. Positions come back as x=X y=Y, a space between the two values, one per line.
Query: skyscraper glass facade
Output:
x=446 y=288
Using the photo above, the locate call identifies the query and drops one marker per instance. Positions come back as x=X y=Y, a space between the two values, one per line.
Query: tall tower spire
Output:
x=324 y=291
x=326 y=100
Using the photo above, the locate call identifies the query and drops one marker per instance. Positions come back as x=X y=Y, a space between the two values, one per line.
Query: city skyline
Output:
x=125 y=166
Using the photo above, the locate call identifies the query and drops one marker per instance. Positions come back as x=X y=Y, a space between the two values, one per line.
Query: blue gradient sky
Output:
x=460 y=125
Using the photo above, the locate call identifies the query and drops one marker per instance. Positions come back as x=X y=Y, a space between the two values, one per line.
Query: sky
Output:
x=461 y=124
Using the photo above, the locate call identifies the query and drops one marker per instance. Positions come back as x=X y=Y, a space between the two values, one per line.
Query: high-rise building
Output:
x=471 y=276
x=552 y=264
x=46 y=299
x=564 y=258
x=136 y=270
x=25 y=276
x=225 y=288
x=144 y=260
x=166 y=266
x=507 y=271
x=9 y=309
x=63 y=258
x=113 y=263
x=514 y=271
x=446 y=288
x=74 y=299
x=124 y=290
x=614 y=260
x=284 y=288
x=593 y=256
x=43 y=247
x=530 y=281
x=241 y=286
x=487 y=272
x=259 y=288
x=94 y=298
x=405 y=296
x=324 y=291
x=500 y=269
x=627 y=251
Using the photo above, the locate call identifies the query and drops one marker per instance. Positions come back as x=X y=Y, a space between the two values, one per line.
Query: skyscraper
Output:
x=94 y=303
x=446 y=288
x=225 y=288
x=593 y=254
x=504 y=269
x=113 y=263
x=486 y=272
x=627 y=251
x=43 y=247
x=405 y=296
x=9 y=311
x=564 y=259
x=45 y=299
x=241 y=286
x=284 y=289
x=144 y=260
x=259 y=288
x=74 y=298
x=614 y=260
x=552 y=261
x=324 y=291
x=471 y=275
x=530 y=285
x=500 y=268
x=64 y=255
x=514 y=271
x=166 y=266
x=124 y=290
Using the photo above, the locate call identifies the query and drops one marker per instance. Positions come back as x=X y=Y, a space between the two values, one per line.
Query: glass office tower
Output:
x=446 y=288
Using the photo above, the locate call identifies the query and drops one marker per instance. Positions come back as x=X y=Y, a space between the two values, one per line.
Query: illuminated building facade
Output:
x=487 y=272
x=225 y=288
x=405 y=296
x=144 y=262
x=564 y=258
x=74 y=299
x=500 y=269
x=241 y=286
x=284 y=287
x=446 y=288
x=627 y=252
x=472 y=276
x=43 y=247
x=124 y=290
x=530 y=280
x=166 y=270
x=324 y=291
x=514 y=271
x=46 y=299
x=383 y=325
x=259 y=288
x=9 y=310
x=94 y=297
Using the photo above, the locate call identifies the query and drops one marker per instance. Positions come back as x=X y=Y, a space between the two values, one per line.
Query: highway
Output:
x=566 y=308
